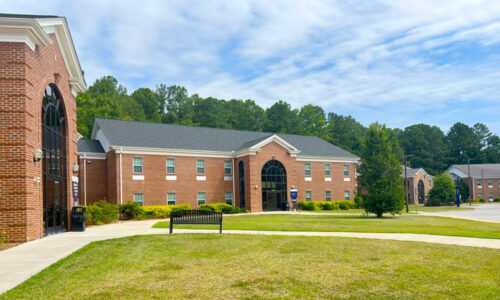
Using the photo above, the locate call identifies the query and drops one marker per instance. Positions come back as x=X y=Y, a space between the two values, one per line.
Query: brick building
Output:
x=39 y=78
x=483 y=181
x=158 y=164
x=419 y=182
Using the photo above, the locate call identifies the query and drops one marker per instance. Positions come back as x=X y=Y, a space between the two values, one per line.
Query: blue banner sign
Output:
x=293 y=195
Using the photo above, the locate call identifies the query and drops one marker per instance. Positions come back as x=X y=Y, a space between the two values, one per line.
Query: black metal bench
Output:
x=200 y=216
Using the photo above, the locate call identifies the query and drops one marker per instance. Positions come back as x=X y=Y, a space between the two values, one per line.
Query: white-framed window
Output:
x=347 y=195
x=201 y=198
x=328 y=196
x=490 y=196
x=137 y=164
x=346 y=170
x=171 y=199
x=227 y=168
x=308 y=195
x=480 y=195
x=479 y=183
x=307 y=169
x=200 y=167
x=490 y=183
x=499 y=183
x=139 y=198
x=170 y=166
x=327 y=170
x=229 y=198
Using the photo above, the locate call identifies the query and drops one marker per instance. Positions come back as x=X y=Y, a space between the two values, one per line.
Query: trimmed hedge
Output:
x=223 y=207
x=161 y=211
x=327 y=205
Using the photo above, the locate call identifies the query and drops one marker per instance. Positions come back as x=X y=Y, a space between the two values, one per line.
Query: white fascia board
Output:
x=91 y=155
x=327 y=159
x=26 y=30
x=60 y=28
x=245 y=152
x=172 y=152
x=275 y=138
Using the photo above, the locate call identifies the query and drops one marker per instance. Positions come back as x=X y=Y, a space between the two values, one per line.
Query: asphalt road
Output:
x=488 y=211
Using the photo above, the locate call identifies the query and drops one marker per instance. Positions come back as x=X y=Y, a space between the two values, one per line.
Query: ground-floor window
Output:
x=229 y=198
x=480 y=195
x=171 y=198
x=139 y=198
x=328 y=196
x=308 y=195
x=201 y=198
x=347 y=195
x=491 y=196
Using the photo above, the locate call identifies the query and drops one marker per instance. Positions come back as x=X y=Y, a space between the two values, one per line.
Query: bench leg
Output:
x=220 y=230
x=171 y=227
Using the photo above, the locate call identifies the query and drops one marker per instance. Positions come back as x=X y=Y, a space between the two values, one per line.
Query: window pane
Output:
x=490 y=182
x=201 y=198
x=308 y=169
x=227 y=168
x=200 y=167
x=171 y=198
x=327 y=170
x=328 y=196
x=170 y=166
x=308 y=195
x=347 y=195
x=229 y=198
x=137 y=165
x=346 y=170
x=139 y=198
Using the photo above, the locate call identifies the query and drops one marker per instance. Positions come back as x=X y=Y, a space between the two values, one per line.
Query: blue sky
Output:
x=397 y=62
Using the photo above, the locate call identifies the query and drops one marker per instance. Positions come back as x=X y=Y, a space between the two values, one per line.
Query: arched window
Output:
x=54 y=161
x=274 y=192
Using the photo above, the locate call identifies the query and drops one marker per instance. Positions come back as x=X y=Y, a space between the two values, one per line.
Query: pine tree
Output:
x=380 y=171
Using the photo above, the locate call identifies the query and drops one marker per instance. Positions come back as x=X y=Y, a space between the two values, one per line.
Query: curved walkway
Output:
x=21 y=262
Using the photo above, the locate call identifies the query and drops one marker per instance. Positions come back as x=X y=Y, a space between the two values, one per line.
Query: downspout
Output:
x=121 y=177
x=85 y=179
x=233 y=172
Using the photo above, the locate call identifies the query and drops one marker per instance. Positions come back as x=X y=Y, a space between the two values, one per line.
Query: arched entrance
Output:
x=274 y=192
x=241 y=179
x=421 y=192
x=54 y=162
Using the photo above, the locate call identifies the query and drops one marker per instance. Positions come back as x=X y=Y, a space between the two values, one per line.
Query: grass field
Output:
x=266 y=267
x=412 y=209
x=332 y=222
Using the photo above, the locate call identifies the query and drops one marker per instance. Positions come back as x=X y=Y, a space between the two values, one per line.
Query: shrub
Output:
x=102 y=212
x=156 y=211
x=328 y=205
x=3 y=236
x=482 y=200
x=497 y=199
x=435 y=202
x=309 y=205
x=184 y=206
x=343 y=205
x=442 y=192
x=223 y=207
x=131 y=210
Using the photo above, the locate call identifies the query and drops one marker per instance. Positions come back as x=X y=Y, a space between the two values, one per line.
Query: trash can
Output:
x=78 y=218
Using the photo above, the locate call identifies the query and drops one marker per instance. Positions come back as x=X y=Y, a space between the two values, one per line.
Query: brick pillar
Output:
x=255 y=188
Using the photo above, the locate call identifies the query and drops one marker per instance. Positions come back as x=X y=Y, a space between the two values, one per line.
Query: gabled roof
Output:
x=413 y=172
x=89 y=146
x=168 y=136
x=476 y=170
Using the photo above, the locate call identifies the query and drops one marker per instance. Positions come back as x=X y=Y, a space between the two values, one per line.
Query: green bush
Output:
x=326 y=205
x=343 y=205
x=482 y=200
x=223 y=207
x=102 y=212
x=156 y=211
x=131 y=210
x=184 y=206
x=435 y=202
x=358 y=200
x=497 y=199
x=309 y=205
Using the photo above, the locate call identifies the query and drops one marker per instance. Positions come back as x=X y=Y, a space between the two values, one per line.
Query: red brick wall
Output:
x=155 y=187
x=413 y=187
x=485 y=189
x=97 y=183
x=24 y=75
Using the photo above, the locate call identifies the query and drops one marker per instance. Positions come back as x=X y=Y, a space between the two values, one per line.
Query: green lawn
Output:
x=412 y=209
x=216 y=266
x=332 y=222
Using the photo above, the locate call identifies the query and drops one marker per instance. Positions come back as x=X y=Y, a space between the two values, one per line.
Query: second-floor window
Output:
x=327 y=170
x=170 y=166
x=479 y=183
x=227 y=168
x=490 y=183
x=137 y=164
x=200 y=167
x=308 y=169
x=346 y=170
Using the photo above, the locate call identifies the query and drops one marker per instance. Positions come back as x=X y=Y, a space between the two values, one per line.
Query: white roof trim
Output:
x=27 y=31
x=91 y=155
x=457 y=172
x=275 y=138
x=172 y=152
x=313 y=158
x=35 y=32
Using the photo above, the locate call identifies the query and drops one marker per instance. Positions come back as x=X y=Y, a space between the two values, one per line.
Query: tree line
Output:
x=427 y=146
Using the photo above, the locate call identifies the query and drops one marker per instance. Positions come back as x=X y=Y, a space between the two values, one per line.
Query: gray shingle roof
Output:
x=487 y=170
x=157 y=135
x=90 y=146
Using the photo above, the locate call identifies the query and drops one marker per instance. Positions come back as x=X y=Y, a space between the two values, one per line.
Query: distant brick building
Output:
x=158 y=164
x=483 y=180
x=39 y=78
x=418 y=184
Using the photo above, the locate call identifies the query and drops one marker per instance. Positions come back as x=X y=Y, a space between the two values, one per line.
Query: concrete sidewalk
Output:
x=21 y=262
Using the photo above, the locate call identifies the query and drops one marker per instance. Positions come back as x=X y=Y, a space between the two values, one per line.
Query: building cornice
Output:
x=35 y=32
x=314 y=158
x=91 y=155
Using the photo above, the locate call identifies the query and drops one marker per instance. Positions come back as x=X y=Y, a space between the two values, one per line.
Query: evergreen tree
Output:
x=380 y=174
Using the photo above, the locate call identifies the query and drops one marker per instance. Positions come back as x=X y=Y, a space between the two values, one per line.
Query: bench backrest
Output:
x=200 y=216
